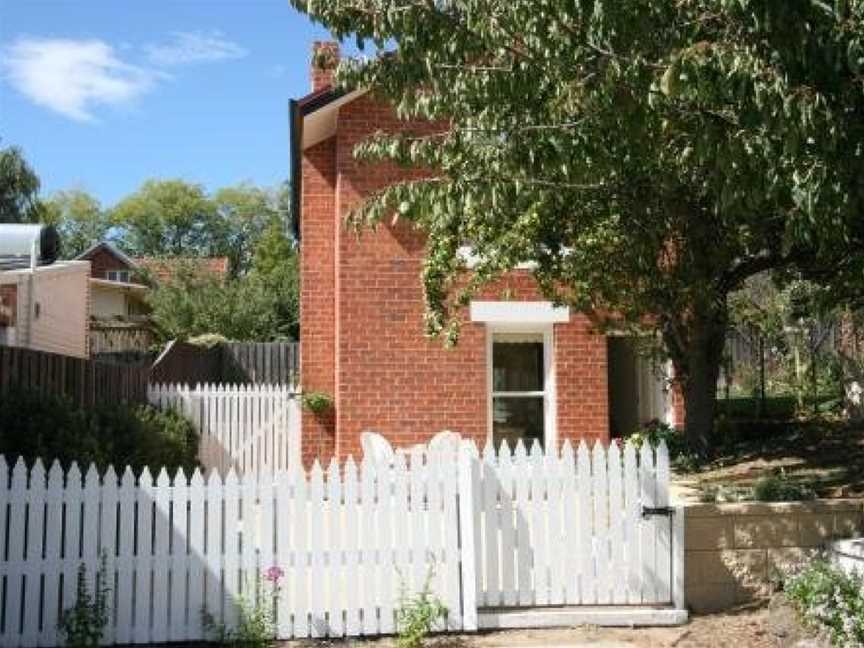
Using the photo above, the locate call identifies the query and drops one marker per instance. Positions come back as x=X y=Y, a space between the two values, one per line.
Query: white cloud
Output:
x=194 y=47
x=71 y=77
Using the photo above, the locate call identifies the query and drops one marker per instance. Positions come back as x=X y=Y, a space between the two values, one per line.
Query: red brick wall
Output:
x=317 y=293
x=385 y=375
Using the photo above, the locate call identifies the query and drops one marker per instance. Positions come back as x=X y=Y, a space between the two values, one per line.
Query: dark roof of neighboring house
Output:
x=164 y=268
x=109 y=247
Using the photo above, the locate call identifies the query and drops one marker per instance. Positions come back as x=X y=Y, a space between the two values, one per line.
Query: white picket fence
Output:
x=250 y=428
x=513 y=530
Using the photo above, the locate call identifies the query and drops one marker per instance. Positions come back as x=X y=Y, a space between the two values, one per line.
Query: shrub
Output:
x=317 y=402
x=52 y=427
x=778 y=487
x=655 y=431
x=830 y=599
x=83 y=624
x=256 y=624
x=417 y=615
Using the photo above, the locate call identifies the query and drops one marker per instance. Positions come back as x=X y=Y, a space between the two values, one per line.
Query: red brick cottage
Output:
x=522 y=368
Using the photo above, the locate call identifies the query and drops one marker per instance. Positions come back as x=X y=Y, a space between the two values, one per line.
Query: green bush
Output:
x=778 y=487
x=830 y=599
x=51 y=427
x=317 y=402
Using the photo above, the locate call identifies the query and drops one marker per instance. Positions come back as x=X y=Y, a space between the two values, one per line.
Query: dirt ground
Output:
x=747 y=627
x=828 y=456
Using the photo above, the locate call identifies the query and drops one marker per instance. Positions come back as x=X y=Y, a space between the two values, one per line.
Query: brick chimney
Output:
x=325 y=58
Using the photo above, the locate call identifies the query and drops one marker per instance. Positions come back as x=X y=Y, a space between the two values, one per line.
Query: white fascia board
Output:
x=518 y=312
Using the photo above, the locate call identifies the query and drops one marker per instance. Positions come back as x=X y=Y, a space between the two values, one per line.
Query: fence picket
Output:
x=663 y=542
x=646 y=525
x=601 y=522
x=352 y=547
x=617 y=542
x=197 y=552
x=179 y=615
x=317 y=520
x=335 y=562
x=33 y=553
x=52 y=564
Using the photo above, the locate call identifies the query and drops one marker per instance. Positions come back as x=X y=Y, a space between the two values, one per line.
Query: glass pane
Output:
x=515 y=418
x=517 y=366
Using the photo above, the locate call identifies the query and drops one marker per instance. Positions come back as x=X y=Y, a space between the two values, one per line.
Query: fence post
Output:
x=469 y=492
x=679 y=598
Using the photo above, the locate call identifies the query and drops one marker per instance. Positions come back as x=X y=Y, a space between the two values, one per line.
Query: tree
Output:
x=19 y=188
x=169 y=218
x=79 y=219
x=244 y=212
x=259 y=306
x=273 y=250
x=649 y=155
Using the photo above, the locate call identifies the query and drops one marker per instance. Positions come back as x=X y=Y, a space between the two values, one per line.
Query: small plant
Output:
x=317 y=402
x=256 y=623
x=723 y=493
x=778 y=487
x=417 y=615
x=831 y=600
x=83 y=624
x=655 y=431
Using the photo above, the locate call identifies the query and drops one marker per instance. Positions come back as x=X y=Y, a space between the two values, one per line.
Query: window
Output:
x=519 y=370
x=118 y=275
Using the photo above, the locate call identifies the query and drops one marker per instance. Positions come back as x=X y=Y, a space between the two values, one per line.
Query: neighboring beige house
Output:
x=46 y=308
x=118 y=288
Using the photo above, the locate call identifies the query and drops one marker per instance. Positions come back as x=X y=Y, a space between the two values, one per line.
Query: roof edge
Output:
x=112 y=249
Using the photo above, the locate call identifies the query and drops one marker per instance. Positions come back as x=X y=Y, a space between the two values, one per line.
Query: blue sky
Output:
x=103 y=94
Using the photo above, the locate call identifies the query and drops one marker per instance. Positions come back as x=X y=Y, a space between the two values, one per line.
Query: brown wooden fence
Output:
x=260 y=363
x=267 y=363
x=86 y=382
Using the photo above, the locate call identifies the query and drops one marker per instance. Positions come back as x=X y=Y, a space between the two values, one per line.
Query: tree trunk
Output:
x=696 y=348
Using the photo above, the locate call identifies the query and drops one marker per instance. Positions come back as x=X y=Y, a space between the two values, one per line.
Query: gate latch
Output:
x=660 y=510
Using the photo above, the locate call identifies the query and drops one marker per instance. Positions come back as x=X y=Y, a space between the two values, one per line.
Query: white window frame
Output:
x=550 y=433
x=121 y=276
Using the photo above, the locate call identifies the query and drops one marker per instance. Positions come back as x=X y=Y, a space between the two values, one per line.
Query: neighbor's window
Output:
x=518 y=388
x=118 y=275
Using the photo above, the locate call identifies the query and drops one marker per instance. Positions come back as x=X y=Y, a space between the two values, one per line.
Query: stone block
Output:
x=763 y=531
x=704 y=533
x=815 y=529
x=704 y=599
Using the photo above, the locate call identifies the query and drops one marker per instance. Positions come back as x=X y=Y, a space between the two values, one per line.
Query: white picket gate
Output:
x=250 y=428
x=507 y=537
x=575 y=528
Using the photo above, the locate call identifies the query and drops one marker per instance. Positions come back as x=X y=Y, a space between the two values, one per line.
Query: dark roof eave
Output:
x=298 y=109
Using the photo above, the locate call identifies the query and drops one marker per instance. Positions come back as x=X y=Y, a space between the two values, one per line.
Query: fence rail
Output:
x=119 y=339
x=250 y=428
x=85 y=382
x=565 y=530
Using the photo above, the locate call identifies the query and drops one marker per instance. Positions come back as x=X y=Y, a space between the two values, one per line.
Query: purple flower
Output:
x=273 y=574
